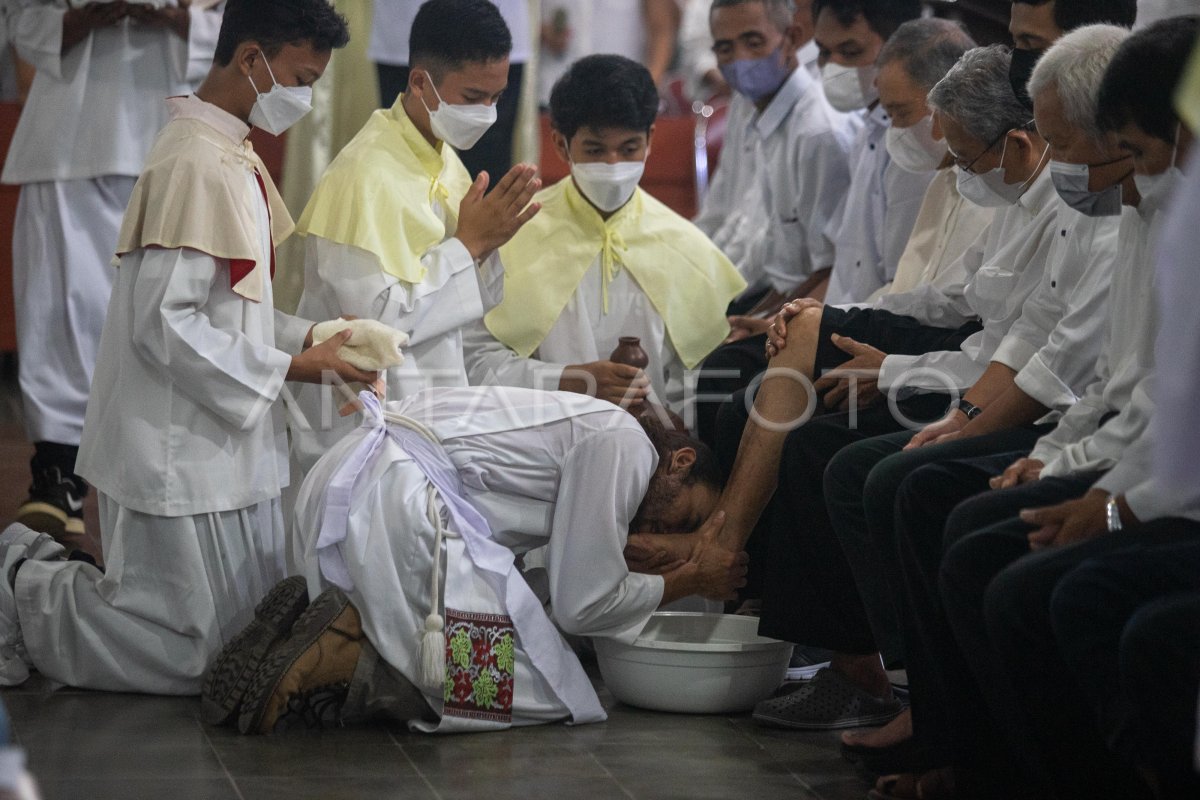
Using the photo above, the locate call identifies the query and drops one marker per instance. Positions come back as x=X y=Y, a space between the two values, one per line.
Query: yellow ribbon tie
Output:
x=437 y=191
x=609 y=261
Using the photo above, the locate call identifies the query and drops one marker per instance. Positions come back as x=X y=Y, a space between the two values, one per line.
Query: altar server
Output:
x=604 y=260
x=183 y=438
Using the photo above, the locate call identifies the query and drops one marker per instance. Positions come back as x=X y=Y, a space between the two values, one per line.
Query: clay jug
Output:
x=629 y=351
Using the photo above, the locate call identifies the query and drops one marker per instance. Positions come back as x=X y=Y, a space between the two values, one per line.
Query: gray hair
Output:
x=928 y=49
x=778 y=11
x=976 y=93
x=1075 y=65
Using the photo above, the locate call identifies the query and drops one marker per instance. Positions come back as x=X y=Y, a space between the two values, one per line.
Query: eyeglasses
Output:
x=969 y=166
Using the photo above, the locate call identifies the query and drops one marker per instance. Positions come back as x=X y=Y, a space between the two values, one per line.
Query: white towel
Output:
x=372 y=345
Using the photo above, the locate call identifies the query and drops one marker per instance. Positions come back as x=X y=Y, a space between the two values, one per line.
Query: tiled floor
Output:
x=95 y=746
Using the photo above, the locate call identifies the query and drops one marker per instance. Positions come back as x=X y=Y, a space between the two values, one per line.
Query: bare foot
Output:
x=865 y=672
x=898 y=730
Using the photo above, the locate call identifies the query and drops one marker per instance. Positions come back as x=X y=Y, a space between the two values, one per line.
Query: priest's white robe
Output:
x=555 y=470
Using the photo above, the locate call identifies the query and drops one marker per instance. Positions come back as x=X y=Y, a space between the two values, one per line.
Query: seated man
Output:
x=809 y=593
x=915 y=58
x=1096 y=461
x=183 y=439
x=397 y=232
x=603 y=260
x=458 y=483
x=769 y=204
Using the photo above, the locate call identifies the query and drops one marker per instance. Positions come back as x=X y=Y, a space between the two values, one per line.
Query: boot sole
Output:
x=230 y=675
x=43 y=518
x=278 y=662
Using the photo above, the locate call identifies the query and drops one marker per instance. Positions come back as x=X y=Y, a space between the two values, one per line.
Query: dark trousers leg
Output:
x=725 y=372
x=494 y=151
x=393 y=80
x=861 y=483
x=808 y=592
x=1127 y=623
x=963 y=661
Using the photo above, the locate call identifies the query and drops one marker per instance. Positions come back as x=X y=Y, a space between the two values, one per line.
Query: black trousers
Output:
x=494 y=151
x=1125 y=623
x=861 y=484
x=733 y=366
x=951 y=718
x=797 y=565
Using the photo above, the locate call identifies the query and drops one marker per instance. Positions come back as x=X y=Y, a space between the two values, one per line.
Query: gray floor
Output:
x=95 y=746
x=99 y=746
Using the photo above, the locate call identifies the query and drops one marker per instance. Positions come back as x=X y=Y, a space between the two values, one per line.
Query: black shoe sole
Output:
x=230 y=675
x=278 y=662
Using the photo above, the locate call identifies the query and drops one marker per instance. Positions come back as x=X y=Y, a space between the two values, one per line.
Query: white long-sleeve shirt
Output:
x=96 y=109
x=1005 y=266
x=1063 y=323
x=182 y=418
x=879 y=212
x=583 y=333
x=1078 y=443
x=780 y=183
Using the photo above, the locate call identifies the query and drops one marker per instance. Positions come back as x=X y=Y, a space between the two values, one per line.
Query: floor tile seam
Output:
x=796 y=777
x=228 y=775
x=624 y=789
x=420 y=774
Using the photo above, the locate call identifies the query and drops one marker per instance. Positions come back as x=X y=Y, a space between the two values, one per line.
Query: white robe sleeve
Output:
x=36 y=28
x=592 y=592
x=490 y=362
x=290 y=332
x=453 y=293
x=219 y=368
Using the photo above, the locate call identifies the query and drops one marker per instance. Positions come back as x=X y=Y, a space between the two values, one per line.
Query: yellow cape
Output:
x=193 y=193
x=1187 y=96
x=377 y=195
x=688 y=280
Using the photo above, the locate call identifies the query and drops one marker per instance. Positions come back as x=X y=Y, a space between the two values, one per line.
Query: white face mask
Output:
x=849 y=88
x=914 y=149
x=608 y=186
x=280 y=108
x=988 y=189
x=1155 y=190
x=459 y=126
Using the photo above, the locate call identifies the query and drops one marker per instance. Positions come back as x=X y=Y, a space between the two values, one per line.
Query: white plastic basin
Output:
x=694 y=663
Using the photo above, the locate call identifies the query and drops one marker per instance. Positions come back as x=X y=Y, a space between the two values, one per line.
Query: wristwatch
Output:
x=1112 y=512
x=970 y=409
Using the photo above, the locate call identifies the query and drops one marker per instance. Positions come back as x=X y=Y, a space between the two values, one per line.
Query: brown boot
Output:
x=318 y=658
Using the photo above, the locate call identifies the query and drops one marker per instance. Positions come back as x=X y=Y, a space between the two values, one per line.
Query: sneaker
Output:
x=320 y=654
x=318 y=708
x=806 y=662
x=827 y=702
x=18 y=543
x=54 y=506
x=230 y=674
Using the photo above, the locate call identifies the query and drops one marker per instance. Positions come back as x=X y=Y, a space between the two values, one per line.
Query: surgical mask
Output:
x=459 y=126
x=757 y=78
x=280 y=108
x=1155 y=189
x=988 y=189
x=608 y=186
x=1019 y=70
x=849 y=88
x=914 y=149
x=1071 y=183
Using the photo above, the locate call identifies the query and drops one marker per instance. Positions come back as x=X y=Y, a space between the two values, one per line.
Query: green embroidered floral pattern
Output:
x=480 y=667
x=460 y=647
x=504 y=653
x=485 y=690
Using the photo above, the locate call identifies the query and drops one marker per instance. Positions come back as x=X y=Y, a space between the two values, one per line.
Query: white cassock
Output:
x=187 y=449
x=527 y=462
x=91 y=117
x=584 y=333
x=342 y=279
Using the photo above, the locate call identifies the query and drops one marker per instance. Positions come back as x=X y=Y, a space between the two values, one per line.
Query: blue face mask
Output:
x=757 y=78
